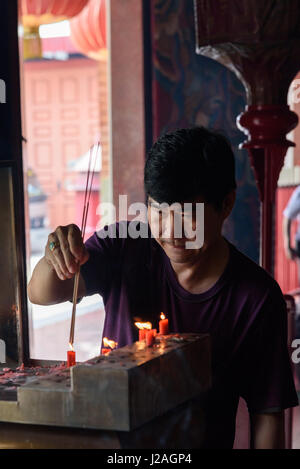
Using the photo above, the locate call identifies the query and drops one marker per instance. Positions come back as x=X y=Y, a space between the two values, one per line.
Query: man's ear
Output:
x=228 y=203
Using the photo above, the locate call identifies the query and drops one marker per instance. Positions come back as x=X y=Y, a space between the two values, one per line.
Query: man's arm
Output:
x=267 y=431
x=286 y=229
x=45 y=288
x=268 y=383
x=53 y=277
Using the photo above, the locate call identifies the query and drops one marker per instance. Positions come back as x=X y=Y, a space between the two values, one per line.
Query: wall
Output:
x=190 y=89
x=126 y=102
x=285 y=270
x=62 y=122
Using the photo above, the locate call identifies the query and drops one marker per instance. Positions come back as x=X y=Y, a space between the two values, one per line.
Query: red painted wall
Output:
x=285 y=270
x=61 y=123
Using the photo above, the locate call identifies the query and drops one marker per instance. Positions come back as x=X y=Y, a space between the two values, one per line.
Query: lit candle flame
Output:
x=71 y=347
x=162 y=316
x=143 y=325
x=109 y=343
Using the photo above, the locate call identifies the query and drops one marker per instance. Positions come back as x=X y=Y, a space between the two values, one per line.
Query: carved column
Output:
x=260 y=43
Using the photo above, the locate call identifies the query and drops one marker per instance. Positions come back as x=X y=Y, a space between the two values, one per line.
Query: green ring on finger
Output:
x=52 y=246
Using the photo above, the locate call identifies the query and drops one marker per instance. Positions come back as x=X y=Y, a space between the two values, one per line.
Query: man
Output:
x=211 y=288
x=290 y=213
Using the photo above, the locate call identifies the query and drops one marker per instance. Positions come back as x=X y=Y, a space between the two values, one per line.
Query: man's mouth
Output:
x=175 y=245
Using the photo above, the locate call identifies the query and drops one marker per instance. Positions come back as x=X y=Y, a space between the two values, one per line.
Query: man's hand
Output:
x=290 y=253
x=267 y=431
x=65 y=251
x=52 y=279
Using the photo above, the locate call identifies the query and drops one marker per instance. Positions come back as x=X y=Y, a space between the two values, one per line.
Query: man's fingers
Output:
x=61 y=275
x=85 y=256
x=69 y=260
x=60 y=262
x=77 y=247
x=52 y=261
x=68 y=252
x=56 y=257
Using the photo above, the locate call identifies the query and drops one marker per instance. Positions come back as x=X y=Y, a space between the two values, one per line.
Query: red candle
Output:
x=143 y=327
x=109 y=345
x=71 y=358
x=163 y=325
x=149 y=338
x=154 y=332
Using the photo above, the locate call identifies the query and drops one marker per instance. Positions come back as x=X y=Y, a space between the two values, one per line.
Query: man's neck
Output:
x=201 y=274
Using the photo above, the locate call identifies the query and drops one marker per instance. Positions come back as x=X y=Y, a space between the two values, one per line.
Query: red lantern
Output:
x=88 y=29
x=37 y=12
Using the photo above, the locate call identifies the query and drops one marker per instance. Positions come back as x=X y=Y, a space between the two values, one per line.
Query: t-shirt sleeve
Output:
x=293 y=207
x=104 y=260
x=267 y=381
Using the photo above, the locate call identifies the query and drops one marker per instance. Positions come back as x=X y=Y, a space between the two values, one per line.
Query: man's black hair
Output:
x=188 y=163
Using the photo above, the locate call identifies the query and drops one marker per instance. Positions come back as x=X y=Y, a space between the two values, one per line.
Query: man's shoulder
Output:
x=251 y=276
x=125 y=229
x=121 y=236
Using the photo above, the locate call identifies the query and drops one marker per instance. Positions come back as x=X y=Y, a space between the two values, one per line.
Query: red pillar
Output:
x=259 y=41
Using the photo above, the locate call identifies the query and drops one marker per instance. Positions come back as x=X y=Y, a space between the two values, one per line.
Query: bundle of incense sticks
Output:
x=89 y=183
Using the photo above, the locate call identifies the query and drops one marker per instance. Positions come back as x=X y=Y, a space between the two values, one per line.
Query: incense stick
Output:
x=87 y=195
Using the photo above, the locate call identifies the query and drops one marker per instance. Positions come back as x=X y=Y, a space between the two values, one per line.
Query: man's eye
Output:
x=159 y=209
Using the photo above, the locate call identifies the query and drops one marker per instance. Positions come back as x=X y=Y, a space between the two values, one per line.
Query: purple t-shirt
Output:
x=244 y=312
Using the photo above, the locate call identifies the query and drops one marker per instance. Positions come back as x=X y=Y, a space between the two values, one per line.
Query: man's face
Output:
x=185 y=230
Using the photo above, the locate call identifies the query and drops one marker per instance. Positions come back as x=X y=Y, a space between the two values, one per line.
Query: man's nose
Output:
x=169 y=230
